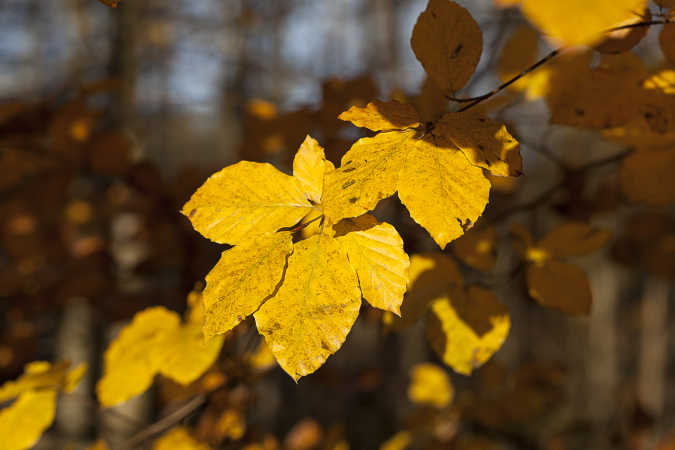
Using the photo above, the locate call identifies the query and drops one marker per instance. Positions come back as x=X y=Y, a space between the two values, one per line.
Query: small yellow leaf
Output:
x=485 y=143
x=310 y=166
x=231 y=425
x=430 y=385
x=41 y=375
x=399 y=441
x=309 y=317
x=382 y=116
x=154 y=342
x=23 y=422
x=667 y=42
x=476 y=248
x=559 y=285
x=443 y=192
x=242 y=279
x=245 y=200
x=178 y=438
x=580 y=22
x=448 y=43
x=375 y=250
x=647 y=177
x=368 y=173
x=573 y=239
x=467 y=327
x=430 y=275
x=262 y=358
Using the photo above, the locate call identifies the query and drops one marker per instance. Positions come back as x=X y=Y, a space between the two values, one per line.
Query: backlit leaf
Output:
x=519 y=53
x=382 y=116
x=311 y=314
x=476 y=248
x=244 y=200
x=309 y=168
x=242 y=279
x=448 y=43
x=573 y=239
x=467 y=327
x=22 y=423
x=647 y=177
x=178 y=438
x=430 y=385
x=375 y=250
x=560 y=285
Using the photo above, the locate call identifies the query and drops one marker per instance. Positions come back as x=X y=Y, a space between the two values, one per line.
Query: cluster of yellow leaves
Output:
x=156 y=342
x=34 y=394
x=554 y=283
x=467 y=324
x=306 y=295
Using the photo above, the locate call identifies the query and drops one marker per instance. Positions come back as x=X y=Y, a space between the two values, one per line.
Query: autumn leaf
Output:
x=155 y=342
x=438 y=175
x=23 y=422
x=430 y=385
x=310 y=315
x=178 y=438
x=667 y=42
x=554 y=283
x=476 y=248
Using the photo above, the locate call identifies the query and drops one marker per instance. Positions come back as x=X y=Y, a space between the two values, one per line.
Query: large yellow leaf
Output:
x=310 y=166
x=244 y=200
x=573 y=239
x=368 y=173
x=22 y=423
x=647 y=177
x=242 y=279
x=382 y=116
x=448 y=43
x=485 y=143
x=559 y=285
x=467 y=327
x=580 y=22
x=155 y=342
x=443 y=192
x=430 y=385
x=375 y=250
x=311 y=314
x=178 y=438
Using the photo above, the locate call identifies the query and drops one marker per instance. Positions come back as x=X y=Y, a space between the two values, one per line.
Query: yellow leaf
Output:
x=559 y=285
x=485 y=143
x=467 y=327
x=178 y=439
x=430 y=385
x=580 y=22
x=369 y=172
x=430 y=275
x=443 y=192
x=448 y=42
x=311 y=314
x=382 y=116
x=647 y=177
x=262 y=358
x=231 y=425
x=41 y=375
x=22 y=423
x=309 y=168
x=667 y=42
x=399 y=441
x=663 y=81
x=375 y=251
x=573 y=239
x=244 y=200
x=476 y=248
x=154 y=342
x=242 y=279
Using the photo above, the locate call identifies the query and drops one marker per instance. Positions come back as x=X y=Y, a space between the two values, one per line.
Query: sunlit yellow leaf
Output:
x=430 y=275
x=368 y=173
x=262 y=358
x=154 y=342
x=663 y=81
x=430 y=385
x=242 y=279
x=573 y=239
x=485 y=143
x=448 y=43
x=375 y=250
x=382 y=116
x=178 y=438
x=309 y=167
x=244 y=200
x=311 y=314
x=231 y=425
x=476 y=248
x=467 y=327
x=443 y=192
x=580 y=22
x=399 y=441
x=41 y=375
x=647 y=177
x=23 y=422
x=560 y=285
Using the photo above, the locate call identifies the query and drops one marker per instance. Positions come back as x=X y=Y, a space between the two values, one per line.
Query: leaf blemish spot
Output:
x=193 y=212
x=348 y=183
x=353 y=199
x=348 y=169
x=457 y=50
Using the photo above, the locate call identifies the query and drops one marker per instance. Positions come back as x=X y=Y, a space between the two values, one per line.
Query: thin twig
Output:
x=166 y=422
x=645 y=23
